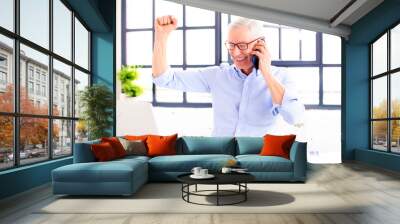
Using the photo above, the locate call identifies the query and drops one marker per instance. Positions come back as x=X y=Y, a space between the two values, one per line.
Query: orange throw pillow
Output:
x=136 y=137
x=103 y=151
x=116 y=145
x=161 y=145
x=277 y=145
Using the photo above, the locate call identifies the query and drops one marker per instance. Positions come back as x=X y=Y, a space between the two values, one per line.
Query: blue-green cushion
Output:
x=185 y=163
x=249 y=145
x=257 y=163
x=111 y=171
x=192 y=145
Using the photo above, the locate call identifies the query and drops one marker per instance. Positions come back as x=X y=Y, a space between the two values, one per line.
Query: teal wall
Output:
x=99 y=15
x=356 y=73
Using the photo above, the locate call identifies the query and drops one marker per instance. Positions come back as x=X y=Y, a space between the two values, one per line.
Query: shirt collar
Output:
x=242 y=75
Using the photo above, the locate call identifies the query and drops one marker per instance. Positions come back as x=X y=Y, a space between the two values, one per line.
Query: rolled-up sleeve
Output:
x=291 y=109
x=196 y=80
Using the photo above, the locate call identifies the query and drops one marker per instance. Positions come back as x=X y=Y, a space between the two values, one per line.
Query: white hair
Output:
x=255 y=27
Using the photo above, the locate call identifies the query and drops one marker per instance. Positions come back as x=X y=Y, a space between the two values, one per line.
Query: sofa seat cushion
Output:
x=185 y=163
x=257 y=163
x=112 y=171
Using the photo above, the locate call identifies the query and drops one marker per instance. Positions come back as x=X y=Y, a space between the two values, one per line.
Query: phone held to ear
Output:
x=255 y=61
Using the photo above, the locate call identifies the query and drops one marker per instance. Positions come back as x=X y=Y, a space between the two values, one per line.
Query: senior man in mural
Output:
x=250 y=97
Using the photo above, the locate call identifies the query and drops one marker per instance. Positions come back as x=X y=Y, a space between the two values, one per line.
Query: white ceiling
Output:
x=316 y=15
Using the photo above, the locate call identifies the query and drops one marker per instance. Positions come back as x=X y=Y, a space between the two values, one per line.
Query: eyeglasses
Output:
x=241 y=46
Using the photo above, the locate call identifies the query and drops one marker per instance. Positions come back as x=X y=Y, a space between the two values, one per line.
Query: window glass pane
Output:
x=34 y=145
x=395 y=47
x=379 y=98
x=62 y=29
x=193 y=97
x=6 y=75
x=81 y=131
x=200 y=47
x=7 y=14
x=272 y=40
x=169 y=8
x=175 y=48
x=199 y=17
x=379 y=135
x=308 y=45
x=331 y=49
x=139 y=14
x=379 y=56
x=332 y=85
x=81 y=81
x=307 y=83
x=139 y=48
x=34 y=21
x=146 y=82
x=62 y=89
x=81 y=45
x=290 y=43
x=62 y=138
x=395 y=95
x=395 y=136
x=6 y=142
x=34 y=96
x=224 y=33
x=169 y=95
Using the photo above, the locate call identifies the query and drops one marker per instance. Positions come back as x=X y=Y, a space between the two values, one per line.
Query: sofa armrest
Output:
x=298 y=155
x=83 y=152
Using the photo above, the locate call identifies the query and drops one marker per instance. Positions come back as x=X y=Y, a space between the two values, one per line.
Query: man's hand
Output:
x=276 y=89
x=260 y=49
x=164 y=25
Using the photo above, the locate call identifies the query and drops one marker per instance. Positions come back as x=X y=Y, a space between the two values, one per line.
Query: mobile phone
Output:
x=255 y=61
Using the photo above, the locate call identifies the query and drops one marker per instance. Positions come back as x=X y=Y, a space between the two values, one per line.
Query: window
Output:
x=7 y=14
x=385 y=96
x=53 y=125
x=30 y=87
x=3 y=61
x=62 y=29
x=81 y=45
x=3 y=78
x=314 y=59
x=63 y=73
x=34 y=21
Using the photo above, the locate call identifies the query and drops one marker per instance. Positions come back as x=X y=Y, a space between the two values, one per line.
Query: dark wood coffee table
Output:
x=238 y=179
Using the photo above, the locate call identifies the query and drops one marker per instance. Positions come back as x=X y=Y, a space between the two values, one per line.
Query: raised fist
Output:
x=165 y=24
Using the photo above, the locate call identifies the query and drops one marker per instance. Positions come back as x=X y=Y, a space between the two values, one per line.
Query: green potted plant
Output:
x=97 y=103
x=128 y=74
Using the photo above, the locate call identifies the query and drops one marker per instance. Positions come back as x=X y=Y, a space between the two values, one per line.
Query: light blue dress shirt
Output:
x=242 y=105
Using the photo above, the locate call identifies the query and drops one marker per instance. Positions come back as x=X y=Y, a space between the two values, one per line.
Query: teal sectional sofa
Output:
x=125 y=176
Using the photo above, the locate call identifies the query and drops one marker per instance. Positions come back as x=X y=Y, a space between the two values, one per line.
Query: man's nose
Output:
x=235 y=51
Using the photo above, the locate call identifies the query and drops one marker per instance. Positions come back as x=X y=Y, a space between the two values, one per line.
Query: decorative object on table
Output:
x=97 y=103
x=200 y=173
x=128 y=75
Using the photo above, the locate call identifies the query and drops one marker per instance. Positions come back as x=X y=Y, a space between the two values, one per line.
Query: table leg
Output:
x=217 y=194
x=196 y=188
x=245 y=191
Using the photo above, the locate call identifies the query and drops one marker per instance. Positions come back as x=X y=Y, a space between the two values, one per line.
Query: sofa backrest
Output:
x=83 y=152
x=249 y=145
x=193 y=145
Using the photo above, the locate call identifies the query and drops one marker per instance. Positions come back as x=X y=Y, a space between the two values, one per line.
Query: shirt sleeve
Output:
x=196 y=80
x=291 y=109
